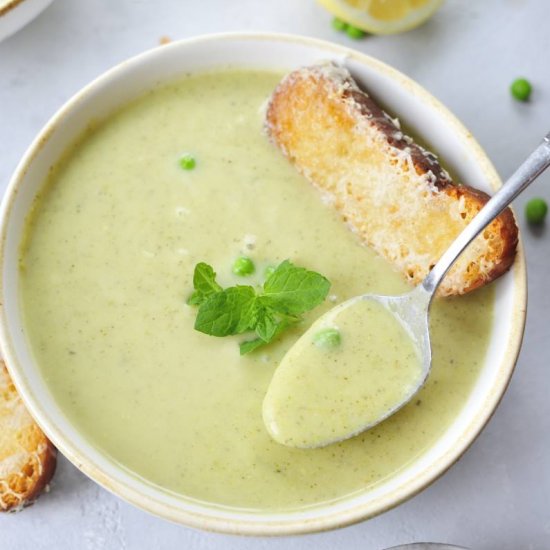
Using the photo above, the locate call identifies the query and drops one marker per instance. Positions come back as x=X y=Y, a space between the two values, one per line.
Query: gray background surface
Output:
x=498 y=495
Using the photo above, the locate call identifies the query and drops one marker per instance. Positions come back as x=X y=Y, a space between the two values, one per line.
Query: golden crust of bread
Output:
x=27 y=457
x=393 y=193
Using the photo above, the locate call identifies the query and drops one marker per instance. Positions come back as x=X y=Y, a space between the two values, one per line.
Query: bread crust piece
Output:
x=393 y=193
x=27 y=457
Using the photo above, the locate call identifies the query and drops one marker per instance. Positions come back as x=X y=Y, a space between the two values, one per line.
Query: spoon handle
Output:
x=531 y=168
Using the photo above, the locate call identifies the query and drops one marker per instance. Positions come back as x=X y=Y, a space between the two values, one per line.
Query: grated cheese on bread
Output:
x=27 y=457
x=393 y=193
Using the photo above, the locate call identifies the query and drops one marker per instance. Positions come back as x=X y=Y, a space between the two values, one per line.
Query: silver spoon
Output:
x=412 y=309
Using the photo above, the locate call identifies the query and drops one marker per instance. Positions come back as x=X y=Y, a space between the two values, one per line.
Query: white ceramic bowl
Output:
x=15 y=14
x=417 y=109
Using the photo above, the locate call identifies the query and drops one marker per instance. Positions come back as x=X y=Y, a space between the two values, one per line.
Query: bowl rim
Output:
x=323 y=521
x=11 y=4
x=16 y=14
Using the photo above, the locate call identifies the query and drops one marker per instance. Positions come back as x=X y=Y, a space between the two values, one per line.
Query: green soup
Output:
x=106 y=267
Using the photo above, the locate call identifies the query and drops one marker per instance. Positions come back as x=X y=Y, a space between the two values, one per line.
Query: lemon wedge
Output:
x=382 y=16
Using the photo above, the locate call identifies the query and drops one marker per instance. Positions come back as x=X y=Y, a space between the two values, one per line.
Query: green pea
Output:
x=535 y=211
x=187 y=162
x=521 y=89
x=327 y=338
x=269 y=270
x=339 y=25
x=354 y=32
x=243 y=266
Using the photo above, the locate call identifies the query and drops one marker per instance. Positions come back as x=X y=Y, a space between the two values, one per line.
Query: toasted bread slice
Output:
x=393 y=193
x=27 y=458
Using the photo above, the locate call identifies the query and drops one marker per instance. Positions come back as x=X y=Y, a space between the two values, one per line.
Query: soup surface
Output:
x=106 y=267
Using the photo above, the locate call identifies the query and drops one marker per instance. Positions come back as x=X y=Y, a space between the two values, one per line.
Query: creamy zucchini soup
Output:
x=185 y=175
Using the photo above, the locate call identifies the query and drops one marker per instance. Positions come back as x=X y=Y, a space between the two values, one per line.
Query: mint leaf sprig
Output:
x=287 y=293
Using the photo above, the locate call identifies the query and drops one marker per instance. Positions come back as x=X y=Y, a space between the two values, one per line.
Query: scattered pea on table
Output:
x=521 y=89
x=536 y=210
x=339 y=25
x=354 y=32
